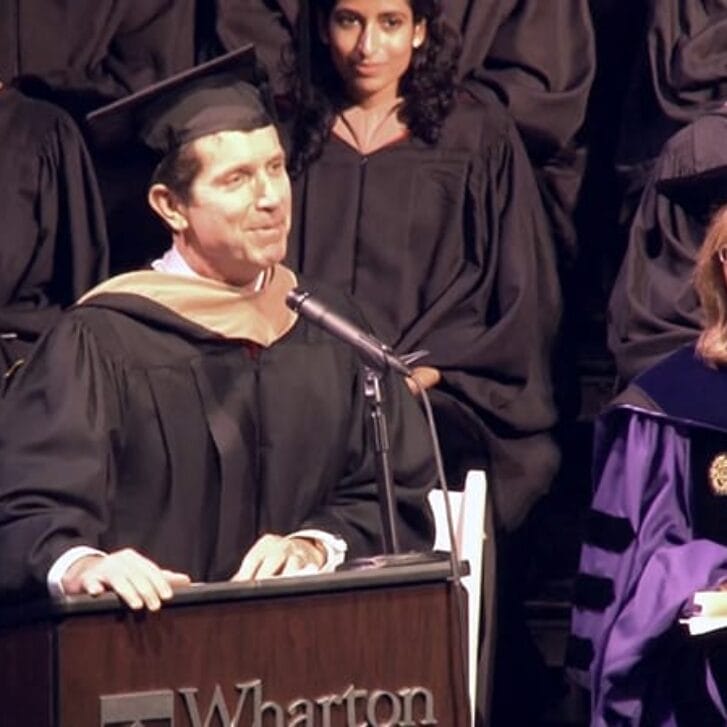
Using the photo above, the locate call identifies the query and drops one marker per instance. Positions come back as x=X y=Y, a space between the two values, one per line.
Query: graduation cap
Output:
x=699 y=162
x=224 y=94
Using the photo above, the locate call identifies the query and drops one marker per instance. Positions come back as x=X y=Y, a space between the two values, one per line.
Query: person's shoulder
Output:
x=88 y=322
x=133 y=332
x=487 y=108
x=681 y=388
x=477 y=120
x=33 y=122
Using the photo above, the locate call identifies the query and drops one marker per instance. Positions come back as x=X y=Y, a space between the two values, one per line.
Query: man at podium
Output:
x=181 y=423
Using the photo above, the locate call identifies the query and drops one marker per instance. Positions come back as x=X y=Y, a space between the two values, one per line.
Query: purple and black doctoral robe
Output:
x=655 y=535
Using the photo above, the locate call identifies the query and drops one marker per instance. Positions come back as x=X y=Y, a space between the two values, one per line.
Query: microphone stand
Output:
x=392 y=555
x=380 y=433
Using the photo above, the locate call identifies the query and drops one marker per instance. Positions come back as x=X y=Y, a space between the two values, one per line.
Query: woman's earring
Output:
x=722 y=254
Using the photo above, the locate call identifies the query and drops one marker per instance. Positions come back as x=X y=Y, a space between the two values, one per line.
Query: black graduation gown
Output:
x=539 y=59
x=95 y=50
x=131 y=426
x=680 y=74
x=654 y=309
x=54 y=244
x=447 y=249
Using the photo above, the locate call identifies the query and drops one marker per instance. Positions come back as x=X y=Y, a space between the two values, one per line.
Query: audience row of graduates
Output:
x=477 y=288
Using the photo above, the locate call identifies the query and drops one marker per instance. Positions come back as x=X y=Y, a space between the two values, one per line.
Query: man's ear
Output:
x=168 y=206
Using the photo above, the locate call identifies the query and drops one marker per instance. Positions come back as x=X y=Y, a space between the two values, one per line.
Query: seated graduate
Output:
x=54 y=244
x=653 y=308
x=417 y=197
x=181 y=423
x=679 y=75
x=657 y=532
x=419 y=200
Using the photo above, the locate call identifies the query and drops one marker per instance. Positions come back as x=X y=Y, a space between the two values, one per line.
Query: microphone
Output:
x=373 y=351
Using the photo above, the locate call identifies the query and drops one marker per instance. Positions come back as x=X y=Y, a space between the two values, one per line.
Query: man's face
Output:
x=239 y=206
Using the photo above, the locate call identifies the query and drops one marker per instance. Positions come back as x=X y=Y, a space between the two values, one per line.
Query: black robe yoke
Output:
x=131 y=426
x=447 y=249
x=53 y=244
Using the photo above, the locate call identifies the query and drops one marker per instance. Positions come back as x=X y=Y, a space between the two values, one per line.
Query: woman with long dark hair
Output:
x=419 y=199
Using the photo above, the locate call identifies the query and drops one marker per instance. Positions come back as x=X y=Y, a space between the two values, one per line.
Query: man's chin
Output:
x=275 y=254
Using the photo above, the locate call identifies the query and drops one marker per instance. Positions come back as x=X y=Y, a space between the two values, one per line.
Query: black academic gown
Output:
x=132 y=426
x=680 y=74
x=539 y=59
x=654 y=309
x=86 y=53
x=447 y=249
x=94 y=51
x=54 y=245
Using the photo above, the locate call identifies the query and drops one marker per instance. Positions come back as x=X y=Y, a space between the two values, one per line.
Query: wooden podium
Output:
x=367 y=647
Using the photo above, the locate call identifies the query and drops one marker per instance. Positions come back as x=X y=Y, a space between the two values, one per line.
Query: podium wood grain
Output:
x=299 y=646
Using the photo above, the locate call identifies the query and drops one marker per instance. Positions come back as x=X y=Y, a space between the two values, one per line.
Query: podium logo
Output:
x=136 y=709
x=408 y=707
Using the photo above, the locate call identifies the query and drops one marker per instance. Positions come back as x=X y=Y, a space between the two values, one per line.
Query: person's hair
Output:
x=427 y=87
x=709 y=281
x=177 y=171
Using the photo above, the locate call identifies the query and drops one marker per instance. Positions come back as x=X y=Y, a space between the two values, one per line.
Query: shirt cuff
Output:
x=334 y=547
x=58 y=569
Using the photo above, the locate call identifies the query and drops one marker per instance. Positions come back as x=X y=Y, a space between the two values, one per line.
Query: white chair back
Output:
x=468 y=516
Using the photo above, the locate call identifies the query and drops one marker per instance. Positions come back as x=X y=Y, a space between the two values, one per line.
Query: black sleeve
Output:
x=492 y=333
x=679 y=75
x=54 y=236
x=55 y=457
x=539 y=60
x=72 y=215
x=352 y=511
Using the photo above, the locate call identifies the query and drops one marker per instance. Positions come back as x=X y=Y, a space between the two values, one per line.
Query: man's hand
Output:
x=136 y=580
x=276 y=555
x=426 y=377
